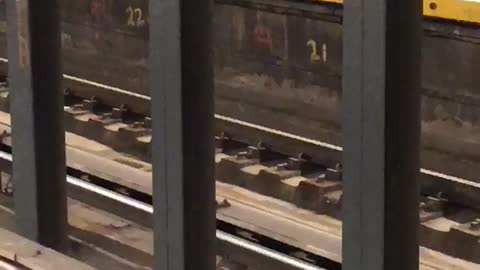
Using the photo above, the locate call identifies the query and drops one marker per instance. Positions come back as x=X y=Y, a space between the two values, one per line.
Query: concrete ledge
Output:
x=35 y=256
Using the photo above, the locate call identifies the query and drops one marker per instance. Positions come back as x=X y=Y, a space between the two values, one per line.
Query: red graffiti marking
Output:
x=263 y=36
x=97 y=9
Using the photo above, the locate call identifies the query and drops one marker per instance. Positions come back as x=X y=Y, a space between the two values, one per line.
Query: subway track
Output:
x=98 y=192
x=302 y=172
x=279 y=188
x=252 y=230
x=129 y=132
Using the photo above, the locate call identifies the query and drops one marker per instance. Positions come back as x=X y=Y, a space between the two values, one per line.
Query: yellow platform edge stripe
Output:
x=458 y=10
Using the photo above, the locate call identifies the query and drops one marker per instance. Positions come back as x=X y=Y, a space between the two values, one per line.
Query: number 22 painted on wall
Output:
x=135 y=13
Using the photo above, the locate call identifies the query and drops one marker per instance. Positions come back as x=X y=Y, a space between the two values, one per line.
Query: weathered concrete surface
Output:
x=34 y=256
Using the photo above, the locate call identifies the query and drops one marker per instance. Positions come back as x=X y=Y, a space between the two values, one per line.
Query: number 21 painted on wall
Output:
x=314 y=56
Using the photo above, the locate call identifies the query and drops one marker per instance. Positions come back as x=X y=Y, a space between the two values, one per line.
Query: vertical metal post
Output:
x=381 y=92
x=36 y=109
x=181 y=88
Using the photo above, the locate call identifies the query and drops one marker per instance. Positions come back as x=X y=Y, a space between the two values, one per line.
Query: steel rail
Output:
x=229 y=238
x=263 y=128
x=468 y=184
x=461 y=190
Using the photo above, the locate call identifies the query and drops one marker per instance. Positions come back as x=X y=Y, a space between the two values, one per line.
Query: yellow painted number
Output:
x=324 y=53
x=135 y=17
x=314 y=56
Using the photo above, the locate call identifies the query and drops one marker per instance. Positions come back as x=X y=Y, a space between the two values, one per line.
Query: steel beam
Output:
x=381 y=93
x=36 y=107
x=181 y=88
